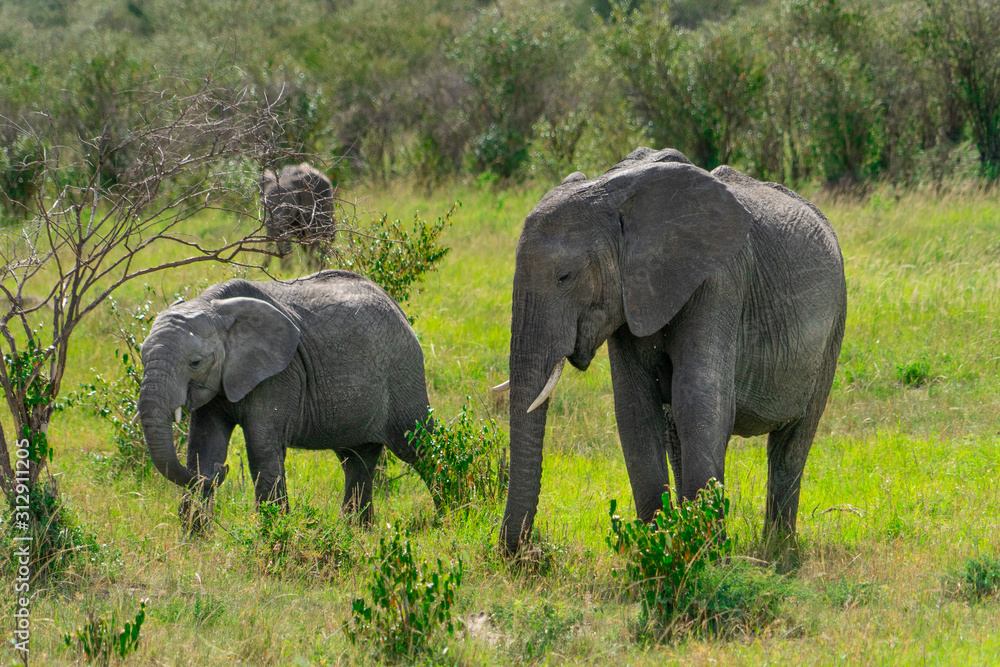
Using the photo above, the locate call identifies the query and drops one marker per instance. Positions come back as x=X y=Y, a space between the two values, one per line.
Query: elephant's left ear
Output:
x=260 y=342
x=679 y=225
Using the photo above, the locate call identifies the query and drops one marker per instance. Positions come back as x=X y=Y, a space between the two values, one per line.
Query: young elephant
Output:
x=324 y=362
x=299 y=204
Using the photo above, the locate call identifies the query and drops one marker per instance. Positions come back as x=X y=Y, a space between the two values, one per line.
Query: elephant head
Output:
x=195 y=351
x=626 y=249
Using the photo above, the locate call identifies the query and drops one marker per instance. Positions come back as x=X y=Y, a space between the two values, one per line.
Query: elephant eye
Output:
x=195 y=363
x=563 y=278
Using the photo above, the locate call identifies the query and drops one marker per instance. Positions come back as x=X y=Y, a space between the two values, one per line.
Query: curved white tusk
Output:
x=502 y=387
x=550 y=386
x=177 y=415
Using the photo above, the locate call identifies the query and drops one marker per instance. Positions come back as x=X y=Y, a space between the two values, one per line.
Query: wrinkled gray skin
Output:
x=299 y=204
x=722 y=300
x=325 y=362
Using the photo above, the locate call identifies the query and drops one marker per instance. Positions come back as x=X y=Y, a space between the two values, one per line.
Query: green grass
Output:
x=900 y=490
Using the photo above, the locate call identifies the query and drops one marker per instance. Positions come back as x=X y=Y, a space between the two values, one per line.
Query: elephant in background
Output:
x=328 y=361
x=299 y=203
x=722 y=300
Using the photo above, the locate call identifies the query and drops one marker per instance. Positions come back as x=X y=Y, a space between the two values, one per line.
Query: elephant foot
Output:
x=781 y=547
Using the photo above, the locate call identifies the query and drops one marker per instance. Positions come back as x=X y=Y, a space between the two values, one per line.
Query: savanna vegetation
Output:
x=133 y=135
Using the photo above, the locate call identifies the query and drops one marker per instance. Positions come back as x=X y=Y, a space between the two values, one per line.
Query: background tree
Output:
x=194 y=150
x=964 y=41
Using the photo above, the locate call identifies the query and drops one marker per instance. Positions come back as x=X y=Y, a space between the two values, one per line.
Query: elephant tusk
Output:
x=550 y=386
x=177 y=415
x=502 y=387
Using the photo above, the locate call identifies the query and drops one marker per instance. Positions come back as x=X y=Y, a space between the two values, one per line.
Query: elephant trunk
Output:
x=533 y=366
x=156 y=409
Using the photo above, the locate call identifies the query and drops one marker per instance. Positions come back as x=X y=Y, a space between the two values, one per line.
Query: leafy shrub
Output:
x=20 y=173
x=674 y=565
x=665 y=557
x=99 y=641
x=410 y=603
x=915 y=373
x=462 y=461
x=394 y=257
x=733 y=599
x=56 y=538
x=981 y=577
x=298 y=543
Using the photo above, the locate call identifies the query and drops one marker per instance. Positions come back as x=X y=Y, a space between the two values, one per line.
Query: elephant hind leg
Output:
x=359 y=469
x=787 y=450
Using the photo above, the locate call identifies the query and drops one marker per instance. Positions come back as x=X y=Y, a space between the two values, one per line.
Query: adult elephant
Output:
x=298 y=204
x=324 y=362
x=722 y=300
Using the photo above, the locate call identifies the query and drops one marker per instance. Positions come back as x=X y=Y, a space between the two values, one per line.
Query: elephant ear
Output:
x=260 y=342
x=268 y=181
x=679 y=225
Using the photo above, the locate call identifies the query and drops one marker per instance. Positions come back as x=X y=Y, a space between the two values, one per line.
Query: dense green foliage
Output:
x=839 y=91
x=463 y=463
x=410 y=602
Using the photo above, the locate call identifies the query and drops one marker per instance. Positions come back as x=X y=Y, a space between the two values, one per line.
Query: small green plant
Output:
x=847 y=594
x=298 y=543
x=461 y=461
x=55 y=538
x=915 y=373
x=536 y=630
x=394 y=257
x=99 y=640
x=981 y=578
x=665 y=557
x=410 y=602
x=735 y=598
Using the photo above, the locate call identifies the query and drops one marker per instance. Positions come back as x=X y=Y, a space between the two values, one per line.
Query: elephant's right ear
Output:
x=679 y=225
x=260 y=342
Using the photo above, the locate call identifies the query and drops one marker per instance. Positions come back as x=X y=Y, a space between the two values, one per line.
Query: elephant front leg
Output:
x=359 y=469
x=208 y=444
x=702 y=348
x=266 y=461
x=641 y=423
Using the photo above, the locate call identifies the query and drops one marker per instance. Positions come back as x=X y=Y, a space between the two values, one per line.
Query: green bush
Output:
x=915 y=373
x=462 y=461
x=57 y=541
x=981 y=577
x=664 y=558
x=410 y=602
x=674 y=565
x=392 y=256
x=98 y=639
x=299 y=543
